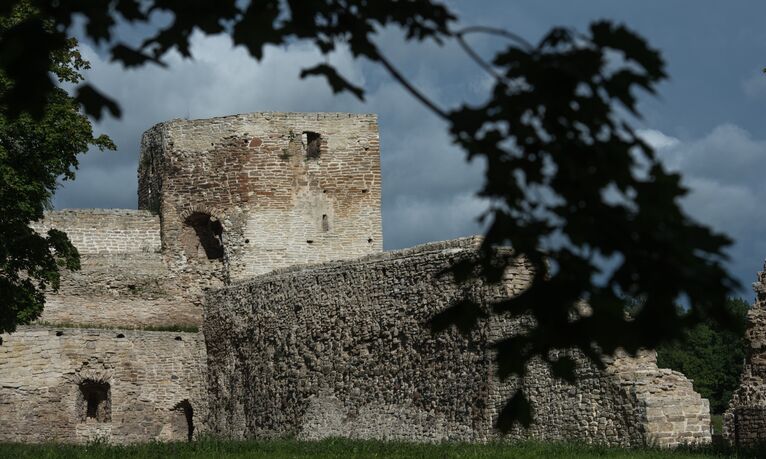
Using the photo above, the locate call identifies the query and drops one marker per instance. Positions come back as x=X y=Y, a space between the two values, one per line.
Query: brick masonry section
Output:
x=279 y=202
x=106 y=231
x=341 y=349
x=152 y=377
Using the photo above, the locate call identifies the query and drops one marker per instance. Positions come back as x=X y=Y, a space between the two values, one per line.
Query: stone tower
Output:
x=242 y=195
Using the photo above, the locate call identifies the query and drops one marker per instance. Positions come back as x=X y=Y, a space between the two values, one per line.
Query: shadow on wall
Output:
x=182 y=421
x=94 y=401
x=203 y=233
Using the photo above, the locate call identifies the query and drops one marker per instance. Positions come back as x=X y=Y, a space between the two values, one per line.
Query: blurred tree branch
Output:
x=570 y=182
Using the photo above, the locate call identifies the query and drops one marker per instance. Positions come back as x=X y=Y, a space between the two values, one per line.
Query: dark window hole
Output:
x=365 y=190
x=183 y=420
x=325 y=223
x=247 y=241
x=309 y=241
x=203 y=231
x=95 y=401
x=178 y=338
x=313 y=144
x=369 y=241
x=120 y=335
x=59 y=333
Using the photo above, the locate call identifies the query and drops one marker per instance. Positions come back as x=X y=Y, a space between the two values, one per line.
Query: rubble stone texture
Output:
x=745 y=419
x=265 y=230
x=343 y=349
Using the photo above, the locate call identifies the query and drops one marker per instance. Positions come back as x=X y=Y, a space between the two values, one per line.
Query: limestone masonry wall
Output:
x=79 y=385
x=341 y=349
x=124 y=280
x=305 y=349
x=286 y=188
x=745 y=419
x=105 y=231
x=130 y=291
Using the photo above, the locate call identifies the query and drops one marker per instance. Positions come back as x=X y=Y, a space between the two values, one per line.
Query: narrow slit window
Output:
x=313 y=144
x=325 y=223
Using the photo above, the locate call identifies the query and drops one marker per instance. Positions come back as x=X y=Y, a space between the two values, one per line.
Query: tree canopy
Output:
x=573 y=188
x=710 y=356
x=34 y=153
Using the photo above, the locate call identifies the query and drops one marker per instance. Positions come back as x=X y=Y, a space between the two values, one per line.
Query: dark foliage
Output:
x=574 y=189
x=711 y=356
x=33 y=154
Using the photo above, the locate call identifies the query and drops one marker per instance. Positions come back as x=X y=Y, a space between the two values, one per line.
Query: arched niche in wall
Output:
x=94 y=401
x=202 y=237
x=182 y=421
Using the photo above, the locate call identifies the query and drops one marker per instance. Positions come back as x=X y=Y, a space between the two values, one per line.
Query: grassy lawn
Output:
x=339 y=448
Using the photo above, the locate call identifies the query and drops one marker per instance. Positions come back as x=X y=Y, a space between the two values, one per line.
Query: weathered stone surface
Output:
x=149 y=375
x=341 y=349
x=745 y=419
x=278 y=204
x=312 y=350
x=106 y=231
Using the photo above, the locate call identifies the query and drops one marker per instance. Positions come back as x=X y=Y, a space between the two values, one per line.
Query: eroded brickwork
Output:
x=106 y=231
x=288 y=188
x=341 y=349
x=333 y=349
x=149 y=377
x=124 y=280
x=745 y=419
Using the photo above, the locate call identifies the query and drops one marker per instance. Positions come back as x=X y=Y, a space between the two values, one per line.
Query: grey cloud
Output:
x=724 y=174
x=428 y=186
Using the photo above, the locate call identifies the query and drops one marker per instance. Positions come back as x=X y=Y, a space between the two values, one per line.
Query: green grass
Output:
x=340 y=448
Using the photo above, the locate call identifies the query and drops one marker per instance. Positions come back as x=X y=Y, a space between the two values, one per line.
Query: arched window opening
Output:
x=95 y=401
x=183 y=421
x=203 y=233
x=313 y=142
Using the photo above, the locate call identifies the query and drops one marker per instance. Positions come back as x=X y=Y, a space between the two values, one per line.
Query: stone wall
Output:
x=745 y=419
x=106 y=231
x=341 y=349
x=287 y=188
x=129 y=291
x=124 y=280
x=79 y=385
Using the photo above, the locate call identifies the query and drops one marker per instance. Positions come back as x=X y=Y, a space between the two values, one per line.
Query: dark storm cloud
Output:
x=709 y=115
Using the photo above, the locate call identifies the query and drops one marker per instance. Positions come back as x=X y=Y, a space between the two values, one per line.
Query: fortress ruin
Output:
x=745 y=419
x=263 y=232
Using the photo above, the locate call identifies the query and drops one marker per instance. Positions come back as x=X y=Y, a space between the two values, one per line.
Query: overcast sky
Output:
x=708 y=121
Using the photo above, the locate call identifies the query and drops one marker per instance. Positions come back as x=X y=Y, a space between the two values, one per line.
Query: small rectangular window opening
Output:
x=95 y=401
x=313 y=144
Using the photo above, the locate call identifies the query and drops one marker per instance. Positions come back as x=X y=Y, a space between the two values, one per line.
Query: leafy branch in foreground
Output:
x=34 y=153
x=573 y=188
